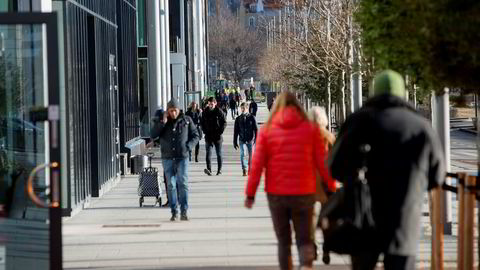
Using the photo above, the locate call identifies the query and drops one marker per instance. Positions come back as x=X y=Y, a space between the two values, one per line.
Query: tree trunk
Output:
x=415 y=96
x=329 y=102
x=342 y=100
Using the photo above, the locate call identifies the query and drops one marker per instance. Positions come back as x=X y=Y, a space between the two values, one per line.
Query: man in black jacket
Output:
x=178 y=135
x=213 y=125
x=405 y=160
x=245 y=131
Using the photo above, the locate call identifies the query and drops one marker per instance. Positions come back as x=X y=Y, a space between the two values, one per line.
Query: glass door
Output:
x=30 y=213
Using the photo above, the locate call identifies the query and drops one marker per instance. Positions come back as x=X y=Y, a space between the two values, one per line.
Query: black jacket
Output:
x=196 y=117
x=245 y=129
x=252 y=109
x=177 y=137
x=406 y=160
x=213 y=124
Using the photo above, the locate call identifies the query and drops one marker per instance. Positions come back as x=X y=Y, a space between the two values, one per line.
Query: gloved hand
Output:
x=235 y=146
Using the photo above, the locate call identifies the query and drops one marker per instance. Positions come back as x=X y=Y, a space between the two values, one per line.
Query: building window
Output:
x=251 y=22
x=141 y=23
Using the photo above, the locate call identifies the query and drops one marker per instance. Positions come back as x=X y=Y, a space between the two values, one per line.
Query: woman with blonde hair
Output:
x=291 y=150
x=196 y=114
x=318 y=116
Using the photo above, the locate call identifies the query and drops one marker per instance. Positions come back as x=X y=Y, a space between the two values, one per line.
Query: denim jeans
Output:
x=218 y=149
x=176 y=171
x=242 y=154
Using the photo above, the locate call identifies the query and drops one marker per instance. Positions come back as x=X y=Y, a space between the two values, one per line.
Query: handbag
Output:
x=346 y=218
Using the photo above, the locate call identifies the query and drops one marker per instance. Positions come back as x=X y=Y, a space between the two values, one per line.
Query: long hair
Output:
x=285 y=99
x=191 y=107
x=319 y=117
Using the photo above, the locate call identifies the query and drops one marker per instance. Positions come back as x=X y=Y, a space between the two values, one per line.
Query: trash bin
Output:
x=136 y=152
x=138 y=163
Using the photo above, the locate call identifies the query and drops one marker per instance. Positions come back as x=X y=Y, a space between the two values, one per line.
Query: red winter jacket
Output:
x=290 y=150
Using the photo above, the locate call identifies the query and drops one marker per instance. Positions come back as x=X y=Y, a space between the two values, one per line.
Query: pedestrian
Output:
x=245 y=132
x=318 y=116
x=218 y=95
x=238 y=98
x=252 y=93
x=405 y=160
x=271 y=104
x=252 y=109
x=290 y=149
x=195 y=113
x=233 y=104
x=153 y=142
x=178 y=135
x=247 y=95
x=213 y=123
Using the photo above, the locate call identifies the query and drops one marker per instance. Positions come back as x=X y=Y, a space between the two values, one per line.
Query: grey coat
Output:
x=406 y=160
x=177 y=137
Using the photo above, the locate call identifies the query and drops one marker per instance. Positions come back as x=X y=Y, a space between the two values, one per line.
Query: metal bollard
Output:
x=461 y=218
x=436 y=213
x=469 y=212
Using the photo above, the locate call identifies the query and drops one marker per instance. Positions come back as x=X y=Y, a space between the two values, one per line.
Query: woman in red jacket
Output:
x=291 y=150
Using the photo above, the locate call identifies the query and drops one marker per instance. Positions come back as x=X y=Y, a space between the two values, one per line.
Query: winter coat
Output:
x=404 y=162
x=245 y=128
x=291 y=150
x=231 y=101
x=253 y=108
x=196 y=116
x=177 y=137
x=213 y=124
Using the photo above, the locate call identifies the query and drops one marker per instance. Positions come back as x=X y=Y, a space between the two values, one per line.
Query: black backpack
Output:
x=346 y=219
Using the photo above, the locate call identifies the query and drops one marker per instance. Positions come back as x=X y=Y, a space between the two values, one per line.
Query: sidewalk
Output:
x=115 y=233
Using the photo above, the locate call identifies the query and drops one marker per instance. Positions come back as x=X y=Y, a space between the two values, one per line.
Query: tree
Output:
x=433 y=41
x=233 y=46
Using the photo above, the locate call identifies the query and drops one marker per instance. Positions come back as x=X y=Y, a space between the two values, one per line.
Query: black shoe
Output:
x=196 y=159
x=244 y=172
x=219 y=172
x=174 y=217
x=326 y=257
x=207 y=171
x=184 y=217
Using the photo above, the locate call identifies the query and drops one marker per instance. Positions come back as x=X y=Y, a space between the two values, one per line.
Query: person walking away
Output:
x=238 y=98
x=233 y=104
x=247 y=94
x=213 y=123
x=195 y=113
x=252 y=109
x=405 y=160
x=245 y=132
x=290 y=149
x=252 y=93
x=178 y=135
x=318 y=116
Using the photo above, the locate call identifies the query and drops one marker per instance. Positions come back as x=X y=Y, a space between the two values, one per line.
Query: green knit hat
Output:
x=388 y=82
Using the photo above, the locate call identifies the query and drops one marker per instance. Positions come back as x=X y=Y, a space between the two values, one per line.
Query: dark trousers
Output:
x=197 y=150
x=218 y=149
x=368 y=261
x=299 y=211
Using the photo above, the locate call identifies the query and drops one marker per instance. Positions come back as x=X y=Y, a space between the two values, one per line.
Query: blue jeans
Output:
x=242 y=154
x=176 y=171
